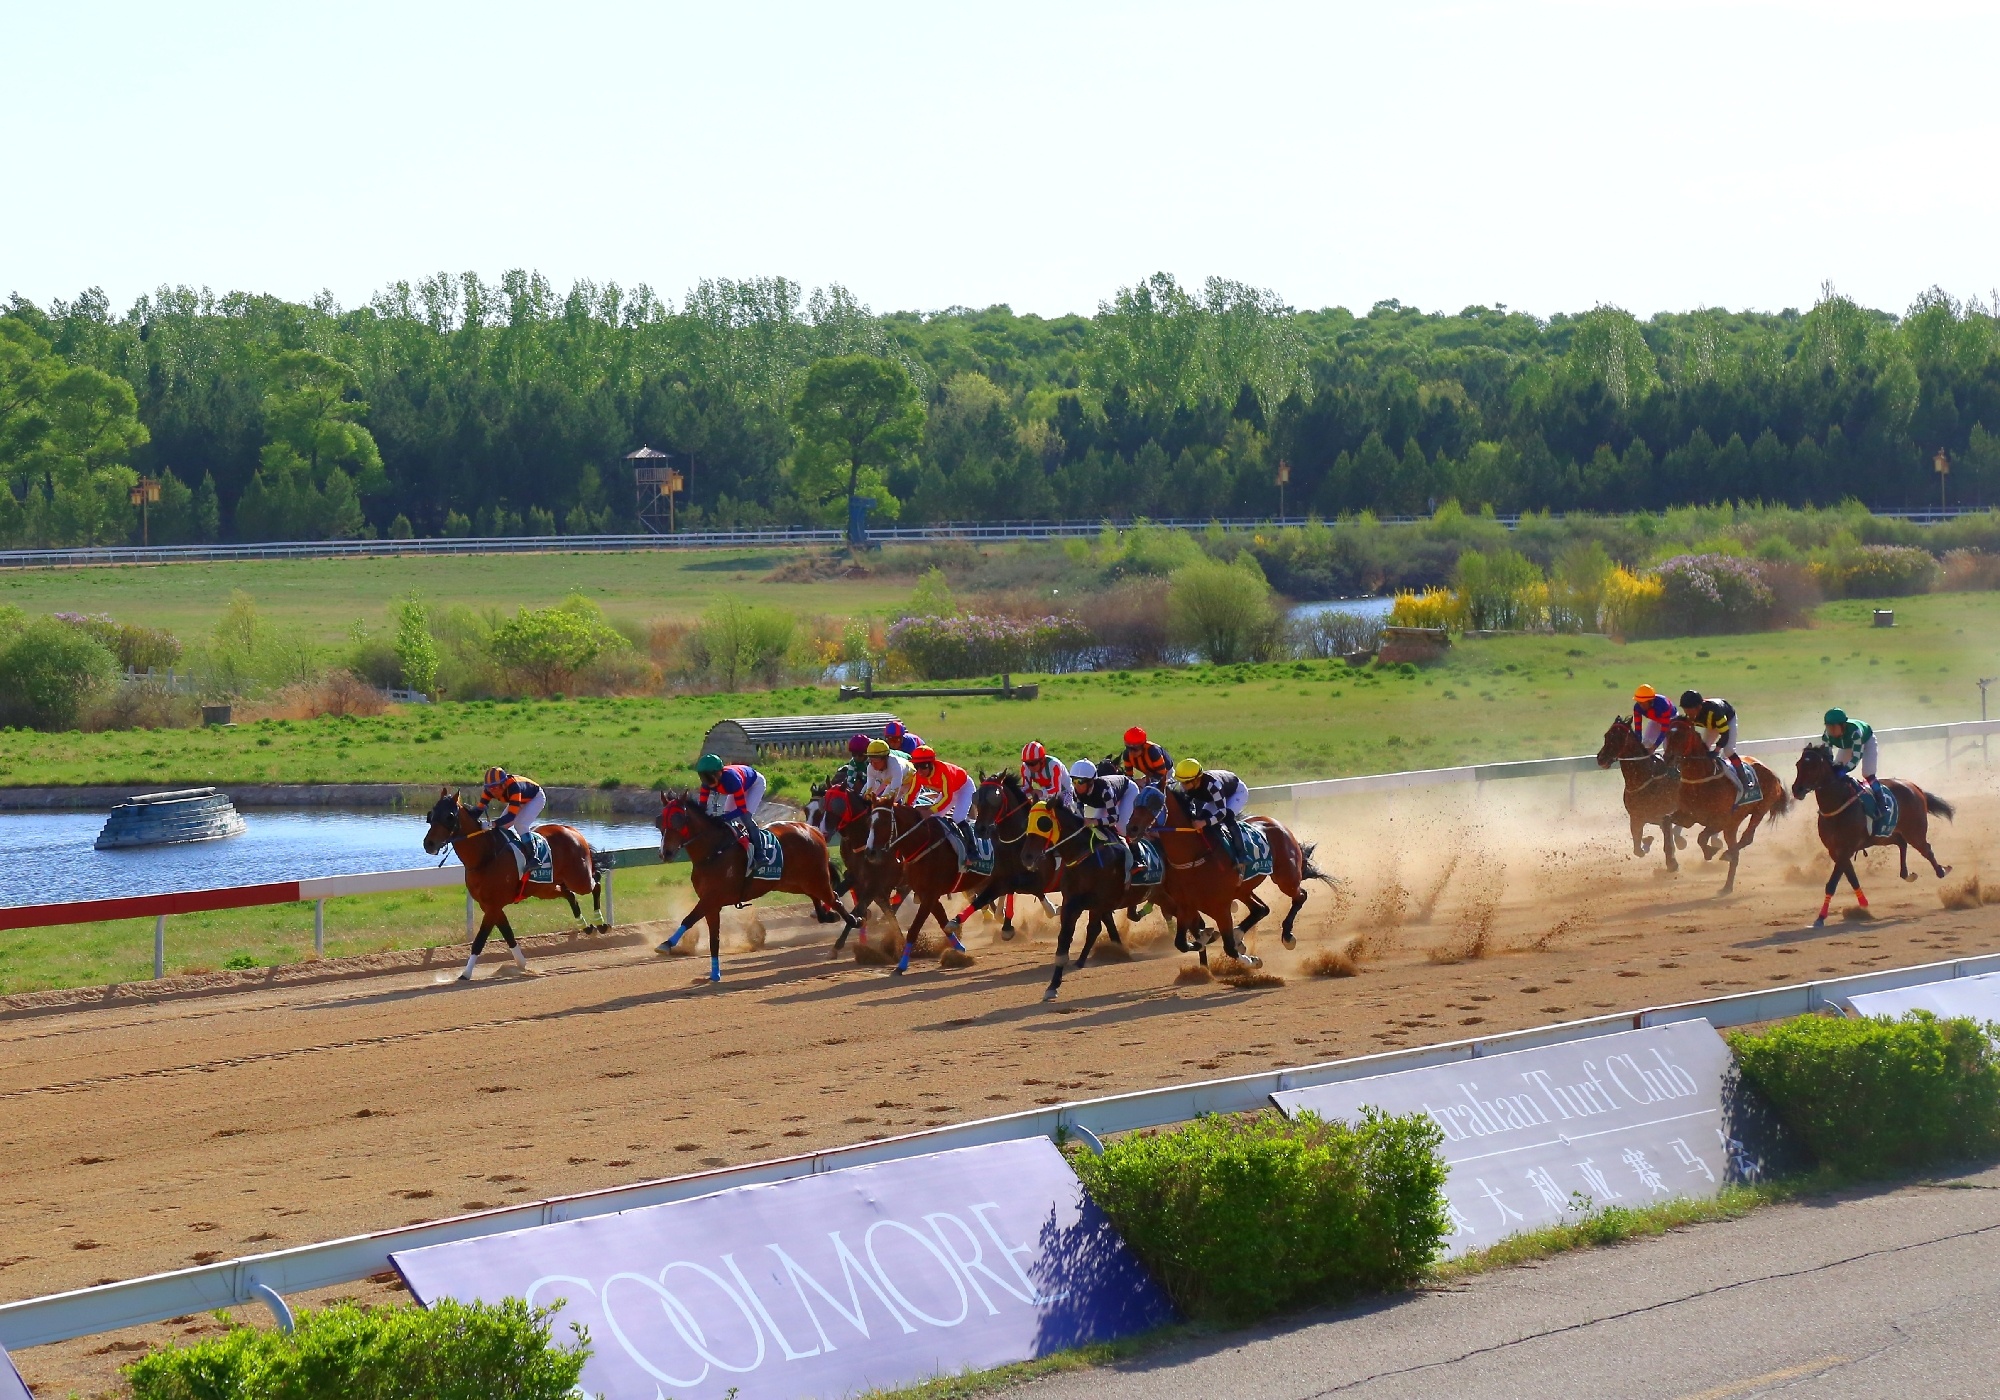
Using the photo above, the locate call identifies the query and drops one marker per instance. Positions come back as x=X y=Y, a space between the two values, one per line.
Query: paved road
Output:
x=1894 y=1294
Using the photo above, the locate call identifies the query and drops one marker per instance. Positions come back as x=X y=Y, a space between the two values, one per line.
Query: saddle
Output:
x=975 y=852
x=540 y=867
x=767 y=854
x=1748 y=790
x=1145 y=863
x=1881 y=814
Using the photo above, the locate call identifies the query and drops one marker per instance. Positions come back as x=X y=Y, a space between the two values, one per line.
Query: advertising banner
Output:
x=1538 y=1136
x=871 y=1277
x=12 y=1387
x=1974 y=997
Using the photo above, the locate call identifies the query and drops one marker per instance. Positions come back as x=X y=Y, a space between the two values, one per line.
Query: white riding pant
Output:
x=523 y=821
x=1123 y=818
x=1237 y=800
x=1652 y=733
x=959 y=808
x=1868 y=758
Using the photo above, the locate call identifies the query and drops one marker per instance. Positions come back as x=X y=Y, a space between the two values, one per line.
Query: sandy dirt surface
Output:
x=140 y=1138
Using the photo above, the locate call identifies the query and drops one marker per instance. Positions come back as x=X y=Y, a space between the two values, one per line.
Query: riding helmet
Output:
x=708 y=764
x=924 y=754
x=1187 y=770
x=1690 y=699
x=1033 y=753
x=1134 y=737
x=858 y=745
x=495 y=776
x=878 y=748
x=1835 y=716
x=1082 y=770
x=1644 y=693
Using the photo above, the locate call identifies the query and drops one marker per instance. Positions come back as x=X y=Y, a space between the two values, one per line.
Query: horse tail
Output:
x=1934 y=803
x=1309 y=871
x=1782 y=803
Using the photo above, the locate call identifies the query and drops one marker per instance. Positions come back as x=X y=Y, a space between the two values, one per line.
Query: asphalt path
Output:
x=1895 y=1293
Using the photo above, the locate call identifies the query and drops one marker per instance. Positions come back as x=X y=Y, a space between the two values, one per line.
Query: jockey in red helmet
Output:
x=1146 y=762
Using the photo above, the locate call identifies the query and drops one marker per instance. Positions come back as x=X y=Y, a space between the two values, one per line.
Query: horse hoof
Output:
x=1820 y=922
x=714 y=977
x=465 y=977
x=1049 y=995
x=1288 y=940
x=1248 y=961
x=1006 y=933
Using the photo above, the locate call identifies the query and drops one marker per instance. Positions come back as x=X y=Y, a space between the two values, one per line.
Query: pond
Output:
x=1375 y=608
x=50 y=855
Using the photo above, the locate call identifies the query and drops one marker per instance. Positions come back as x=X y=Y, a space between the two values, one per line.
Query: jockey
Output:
x=901 y=739
x=733 y=793
x=851 y=773
x=1044 y=777
x=888 y=773
x=1852 y=742
x=1213 y=796
x=524 y=798
x=944 y=789
x=1146 y=762
x=1714 y=720
x=1652 y=713
x=1105 y=799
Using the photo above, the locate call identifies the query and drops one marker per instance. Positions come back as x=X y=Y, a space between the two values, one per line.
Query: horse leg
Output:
x=1292 y=917
x=575 y=909
x=715 y=944
x=1641 y=842
x=1860 y=896
x=1832 y=884
x=1671 y=840
x=1257 y=907
x=687 y=922
x=507 y=932
x=1097 y=919
x=1065 y=934
x=1903 y=857
x=478 y=947
x=910 y=939
x=1007 y=918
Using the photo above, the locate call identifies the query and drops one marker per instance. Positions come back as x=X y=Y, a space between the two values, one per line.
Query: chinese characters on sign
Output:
x=1537 y=1136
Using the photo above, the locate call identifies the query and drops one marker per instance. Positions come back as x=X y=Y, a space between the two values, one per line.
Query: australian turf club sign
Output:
x=871 y=1277
x=1538 y=1136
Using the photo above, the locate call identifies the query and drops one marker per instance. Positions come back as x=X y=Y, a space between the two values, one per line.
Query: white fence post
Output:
x=319 y=928
x=159 y=946
x=608 y=873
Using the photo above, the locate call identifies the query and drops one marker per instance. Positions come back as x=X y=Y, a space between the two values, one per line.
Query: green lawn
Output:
x=322 y=598
x=1510 y=697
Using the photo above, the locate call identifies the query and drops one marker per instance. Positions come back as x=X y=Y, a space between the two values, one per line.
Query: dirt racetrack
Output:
x=137 y=1138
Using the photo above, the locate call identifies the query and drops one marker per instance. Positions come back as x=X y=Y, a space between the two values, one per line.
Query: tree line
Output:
x=458 y=406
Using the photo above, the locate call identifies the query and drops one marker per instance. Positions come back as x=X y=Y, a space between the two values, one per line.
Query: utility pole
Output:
x=1284 y=475
x=143 y=493
x=1942 y=466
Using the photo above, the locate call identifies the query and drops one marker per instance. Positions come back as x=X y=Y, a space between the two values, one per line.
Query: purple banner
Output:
x=12 y=1387
x=871 y=1277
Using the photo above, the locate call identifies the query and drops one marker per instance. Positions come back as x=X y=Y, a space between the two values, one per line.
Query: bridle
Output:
x=1000 y=783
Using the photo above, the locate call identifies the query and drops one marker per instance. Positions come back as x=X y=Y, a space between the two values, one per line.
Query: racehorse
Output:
x=494 y=879
x=1652 y=789
x=1000 y=809
x=1708 y=796
x=915 y=840
x=1092 y=881
x=721 y=869
x=1203 y=880
x=837 y=814
x=1844 y=826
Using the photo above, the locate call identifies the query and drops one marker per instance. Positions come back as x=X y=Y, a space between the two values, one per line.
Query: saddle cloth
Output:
x=1749 y=790
x=1881 y=815
x=975 y=852
x=767 y=854
x=1254 y=857
x=541 y=868
x=1145 y=864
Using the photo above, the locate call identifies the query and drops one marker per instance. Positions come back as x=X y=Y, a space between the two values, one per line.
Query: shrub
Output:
x=1878 y=571
x=1967 y=570
x=546 y=647
x=51 y=672
x=1434 y=607
x=416 y=650
x=737 y=643
x=1240 y=1217
x=1331 y=633
x=1874 y=1095
x=1223 y=611
x=1630 y=606
x=143 y=705
x=945 y=648
x=1703 y=593
x=1502 y=591
x=1127 y=621
x=137 y=648
x=450 y=1351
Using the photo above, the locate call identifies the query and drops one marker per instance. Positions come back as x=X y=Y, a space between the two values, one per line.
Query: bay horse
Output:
x=1708 y=796
x=1844 y=826
x=1203 y=880
x=1054 y=841
x=493 y=878
x=1000 y=807
x=840 y=816
x=720 y=870
x=913 y=839
x=1652 y=788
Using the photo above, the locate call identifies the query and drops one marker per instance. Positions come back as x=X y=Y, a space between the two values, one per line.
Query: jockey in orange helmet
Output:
x=524 y=798
x=1652 y=713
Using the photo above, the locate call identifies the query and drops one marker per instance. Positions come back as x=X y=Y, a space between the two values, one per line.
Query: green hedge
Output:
x=1240 y=1217
x=1874 y=1095
x=453 y=1351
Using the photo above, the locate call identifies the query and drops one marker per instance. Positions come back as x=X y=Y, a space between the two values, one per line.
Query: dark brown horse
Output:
x=721 y=869
x=1844 y=828
x=1203 y=880
x=910 y=838
x=1093 y=876
x=1000 y=809
x=1652 y=789
x=1708 y=797
x=842 y=817
x=493 y=876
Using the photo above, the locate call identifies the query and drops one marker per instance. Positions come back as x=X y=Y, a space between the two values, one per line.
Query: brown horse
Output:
x=1708 y=797
x=1000 y=809
x=721 y=869
x=493 y=877
x=1652 y=789
x=916 y=841
x=836 y=813
x=1203 y=880
x=1844 y=828
x=1092 y=880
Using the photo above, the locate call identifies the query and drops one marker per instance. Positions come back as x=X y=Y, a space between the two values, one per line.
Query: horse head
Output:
x=881 y=831
x=676 y=823
x=1815 y=768
x=1043 y=832
x=998 y=797
x=448 y=820
x=1620 y=741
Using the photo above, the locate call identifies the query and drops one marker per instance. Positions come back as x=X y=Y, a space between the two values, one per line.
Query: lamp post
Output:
x=1942 y=466
x=1284 y=475
x=143 y=494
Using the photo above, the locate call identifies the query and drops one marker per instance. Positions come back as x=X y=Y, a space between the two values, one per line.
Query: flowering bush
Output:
x=1434 y=607
x=1713 y=593
x=945 y=648
x=1630 y=604
x=1878 y=571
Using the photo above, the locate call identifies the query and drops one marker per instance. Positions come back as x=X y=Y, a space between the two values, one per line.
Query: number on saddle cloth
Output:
x=540 y=868
x=767 y=854
x=1148 y=865
x=1254 y=857
x=1881 y=815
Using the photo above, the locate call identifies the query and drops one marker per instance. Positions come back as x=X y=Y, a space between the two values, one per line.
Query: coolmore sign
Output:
x=1535 y=1135
x=871 y=1277
x=12 y=1387
x=1975 y=997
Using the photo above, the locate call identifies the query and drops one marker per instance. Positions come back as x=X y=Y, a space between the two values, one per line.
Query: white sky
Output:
x=1545 y=155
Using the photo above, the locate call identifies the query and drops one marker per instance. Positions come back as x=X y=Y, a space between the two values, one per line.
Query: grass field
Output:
x=322 y=598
